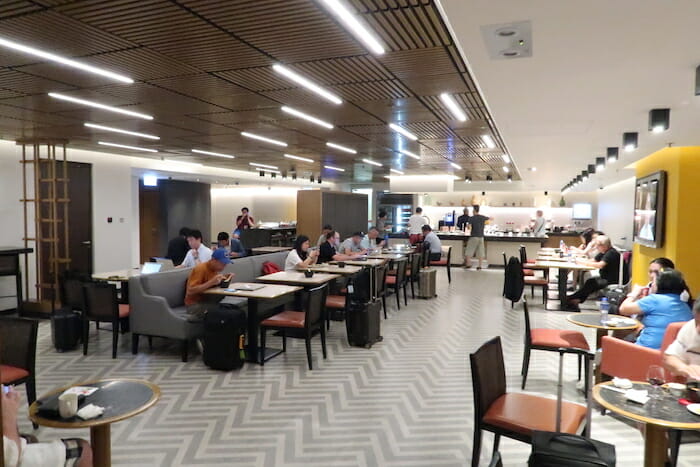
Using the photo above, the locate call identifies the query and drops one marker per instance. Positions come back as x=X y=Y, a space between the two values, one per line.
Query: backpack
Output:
x=269 y=267
x=515 y=281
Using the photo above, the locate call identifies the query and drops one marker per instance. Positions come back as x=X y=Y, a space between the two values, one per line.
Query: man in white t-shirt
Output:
x=198 y=252
x=415 y=226
x=682 y=357
x=538 y=229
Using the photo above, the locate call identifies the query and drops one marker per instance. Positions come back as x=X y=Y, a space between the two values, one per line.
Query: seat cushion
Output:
x=335 y=301
x=12 y=373
x=558 y=338
x=441 y=262
x=528 y=272
x=124 y=310
x=535 y=281
x=286 y=319
x=524 y=413
x=391 y=280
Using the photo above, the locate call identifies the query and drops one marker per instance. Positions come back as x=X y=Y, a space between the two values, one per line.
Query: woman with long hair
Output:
x=302 y=255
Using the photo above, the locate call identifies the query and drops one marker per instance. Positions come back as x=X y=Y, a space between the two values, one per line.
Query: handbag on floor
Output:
x=224 y=328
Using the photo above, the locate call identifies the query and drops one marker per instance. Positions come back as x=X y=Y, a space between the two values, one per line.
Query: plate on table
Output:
x=694 y=408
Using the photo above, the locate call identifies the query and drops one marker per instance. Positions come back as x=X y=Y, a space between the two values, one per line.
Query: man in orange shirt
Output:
x=204 y=276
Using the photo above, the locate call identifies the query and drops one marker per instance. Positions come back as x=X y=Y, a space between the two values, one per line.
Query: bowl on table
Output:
x=341 y=264
x=693 y=391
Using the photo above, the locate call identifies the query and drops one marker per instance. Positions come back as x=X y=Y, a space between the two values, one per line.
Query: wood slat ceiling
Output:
x=203 y=69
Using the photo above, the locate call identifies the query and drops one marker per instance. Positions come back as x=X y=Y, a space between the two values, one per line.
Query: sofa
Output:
x=158 y=300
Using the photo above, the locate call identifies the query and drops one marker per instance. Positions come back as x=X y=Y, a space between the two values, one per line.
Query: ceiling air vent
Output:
x=508 y=41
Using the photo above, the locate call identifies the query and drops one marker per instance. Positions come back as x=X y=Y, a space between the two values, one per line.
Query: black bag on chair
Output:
x=514 y=280
x=66 y=329
x=224 y=328
x=615 y=294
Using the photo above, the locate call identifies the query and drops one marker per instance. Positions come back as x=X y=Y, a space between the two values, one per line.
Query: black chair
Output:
x=445 y=262
x=515 y=415
x=102 y=306
x=380 y=275
x=425 y=256
x=414 y=272
x=398 y=281
x=18 y=354
x=309 y=320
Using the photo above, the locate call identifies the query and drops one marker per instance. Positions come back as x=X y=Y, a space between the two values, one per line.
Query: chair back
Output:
x=380 y=279
x=514 y=280
x=101 y=301
x=415 y=265
x=425 y=257
x=315 y=301
x=18 y=342
x=528 y=335
x=523 y=254
x=71 y=289
x=401 y=272
x=448 y=250
x=488 y=375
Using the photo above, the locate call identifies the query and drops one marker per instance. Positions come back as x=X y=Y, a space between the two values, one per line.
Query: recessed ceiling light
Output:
x=658 y=129
x=264 y=166
x=409 y=154
x=396 y=171
x=506 y=158
x=119 y=130
x=600 y=164
x=97 y=105
x=342 y=148
x=506 y=169
x=403 y=131
x=371 y=162
x=215 y=154
x=124 y=146
x=532 y=169
x=452 y=105
x=488 y=140
x=337 y=169
x=64 y=61
x=360 y=32
x=510 y=178
x=613 y=154
x=456 y=166
x=299 y=158
x=630 y=141
x=308 y=84
x=307 y=117
x=262 y=138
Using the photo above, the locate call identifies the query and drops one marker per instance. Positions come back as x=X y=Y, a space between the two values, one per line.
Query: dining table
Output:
x=335 y=269
x=564 y=267
x=298 y=278
x=657 y=415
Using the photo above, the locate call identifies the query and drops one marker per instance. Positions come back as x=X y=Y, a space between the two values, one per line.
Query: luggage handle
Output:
x=588 y=356
x=579 y=439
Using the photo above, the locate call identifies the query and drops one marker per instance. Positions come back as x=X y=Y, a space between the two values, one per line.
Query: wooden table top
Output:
x=563 y=265
x=14 y=250
x=297 y=278
x=120 y=275
x=665 y=412
x=389 y=256
x=592 y=320
x=366 y=263
x=270 y=249
x=268 y=291
x=335 y=269
x=121 y=398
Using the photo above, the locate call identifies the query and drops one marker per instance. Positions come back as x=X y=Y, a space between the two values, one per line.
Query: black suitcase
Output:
x=363 y=323
x=555 y=449
x=66 y=329
x=224 y=328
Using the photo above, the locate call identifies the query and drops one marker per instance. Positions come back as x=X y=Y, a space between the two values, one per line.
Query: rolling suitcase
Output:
x=426 y=282
x=224 y=330
x=66 y=329
x=555 y=449
x=363 y=323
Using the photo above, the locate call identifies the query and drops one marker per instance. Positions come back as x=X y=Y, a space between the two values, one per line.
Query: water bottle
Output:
x=604 y=308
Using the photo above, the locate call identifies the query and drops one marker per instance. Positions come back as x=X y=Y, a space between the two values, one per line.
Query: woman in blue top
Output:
x=659 y=309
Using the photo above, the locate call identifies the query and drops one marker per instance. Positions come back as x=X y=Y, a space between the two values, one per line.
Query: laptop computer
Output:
x=150 y=268
x=166 y=264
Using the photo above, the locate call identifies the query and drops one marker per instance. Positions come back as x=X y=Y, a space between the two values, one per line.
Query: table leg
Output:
x=561 y=282
x=654 y=446
x=18 y=282
x=101 y=443
x=253 y=329
x=599 y=333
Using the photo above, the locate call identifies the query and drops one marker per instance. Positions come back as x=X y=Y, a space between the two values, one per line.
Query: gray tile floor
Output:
x=405 y=402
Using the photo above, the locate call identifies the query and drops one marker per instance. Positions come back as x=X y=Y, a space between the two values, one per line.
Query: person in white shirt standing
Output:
x=538 y=229
x=415 y=226
x=198 y=252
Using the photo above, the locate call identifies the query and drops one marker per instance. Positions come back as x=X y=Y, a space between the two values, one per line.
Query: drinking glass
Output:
x=656 y=376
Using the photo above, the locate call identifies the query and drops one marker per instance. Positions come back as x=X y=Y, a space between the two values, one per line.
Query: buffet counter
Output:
x=496 y=245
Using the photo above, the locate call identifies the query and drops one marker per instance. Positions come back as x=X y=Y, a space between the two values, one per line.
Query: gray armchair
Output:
x=158 y=308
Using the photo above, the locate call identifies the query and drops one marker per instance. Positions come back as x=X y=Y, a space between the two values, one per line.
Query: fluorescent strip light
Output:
x=262 y=138
x=409 y=154
x=292 y=156
x=488 y=141
x=65 y=61
x=119 y=130
x=123 y=146
x=371 y=162
x=342 y=148
x=456 y=166
x=387 y=176
x=97 y=105
x=330 y=167
x=264 y=166
x=308 y=84
x=452 y=105
x=403 y=131
x=360 y=32
x=307 y=117
x=215 y=154
x=396 y=171
x=506 y=158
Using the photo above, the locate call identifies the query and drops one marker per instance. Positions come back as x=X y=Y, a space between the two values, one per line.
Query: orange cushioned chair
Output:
x=515 y=415
x=18 y=354
x=445 y=261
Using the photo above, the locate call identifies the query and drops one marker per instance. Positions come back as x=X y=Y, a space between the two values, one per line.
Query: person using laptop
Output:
x=198 y=252
x=203 y=277
x=353 y=245
x=372 y=240
x=328 y=251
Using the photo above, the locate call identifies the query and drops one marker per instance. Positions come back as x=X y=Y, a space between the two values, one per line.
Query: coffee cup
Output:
x=68 y=404
x=341 y=264
x=308 y=273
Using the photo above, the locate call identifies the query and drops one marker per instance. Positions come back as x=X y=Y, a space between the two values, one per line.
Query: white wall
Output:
x=616 y=211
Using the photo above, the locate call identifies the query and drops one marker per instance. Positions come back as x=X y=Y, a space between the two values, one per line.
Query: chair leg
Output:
x=284 y=340
x=323 y=343
x=307 y=340
x=476 y=447
x=526 y=366
x=384 y=304
x=413 y=289
x=674 y=443
x=398 y=297
x=532 y=291
x=124 y=325
x=579 y=367
x=30 y=387
x=405 y=296
x=115 y=337
x=449 y=274
x=263 y=338
x=496 y=442
x=150 y=342
x=86 y=331
x=185 y=348
x=134 y=343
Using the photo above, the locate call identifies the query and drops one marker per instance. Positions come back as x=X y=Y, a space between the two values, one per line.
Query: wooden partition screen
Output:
x=346 y=212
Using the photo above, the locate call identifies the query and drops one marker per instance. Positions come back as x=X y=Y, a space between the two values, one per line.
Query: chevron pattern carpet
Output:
x=405 y=402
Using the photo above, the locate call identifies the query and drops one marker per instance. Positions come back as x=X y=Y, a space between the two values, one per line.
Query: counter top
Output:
x=489 y=238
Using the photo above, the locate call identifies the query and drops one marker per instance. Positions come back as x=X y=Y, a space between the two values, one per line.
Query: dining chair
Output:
x=445 y=260
x=18 y=354
x=380 y=275
x=414 y=272
x=310 y=320
x=398 y=281
x=510 y=414
x=552 y=340
x=102 y=306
